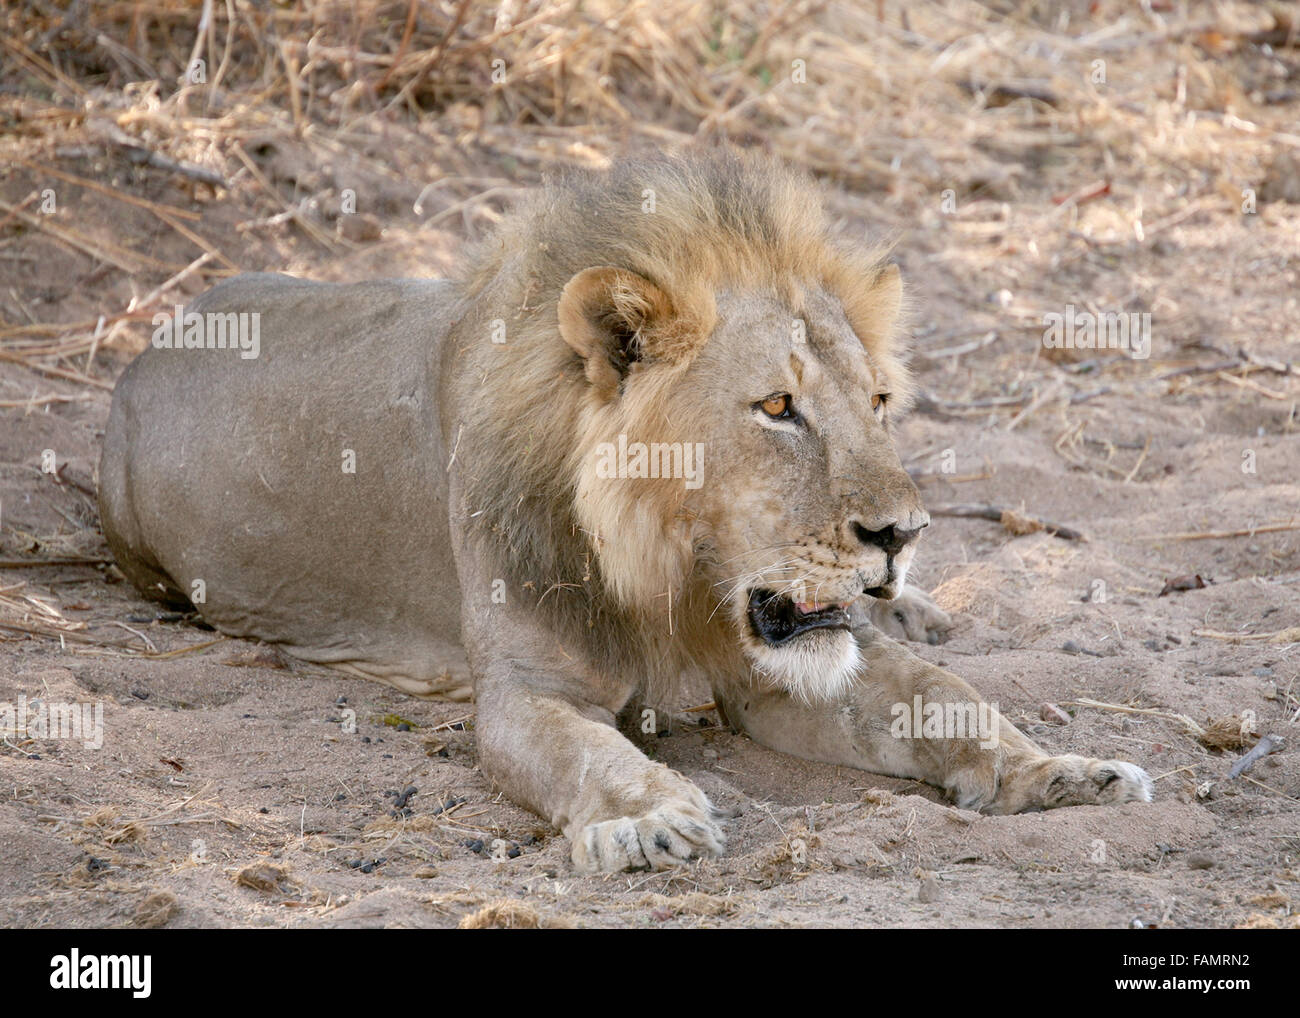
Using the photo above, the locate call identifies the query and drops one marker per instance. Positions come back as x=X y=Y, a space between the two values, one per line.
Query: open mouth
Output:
x=778 y=618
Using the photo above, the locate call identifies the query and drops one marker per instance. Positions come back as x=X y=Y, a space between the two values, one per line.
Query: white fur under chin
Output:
x=813 y=670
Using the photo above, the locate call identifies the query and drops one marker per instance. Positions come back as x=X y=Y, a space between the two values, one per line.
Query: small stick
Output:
x=122 y=258
x=1119 y=708
x=161 y=288
x=995 y=513
x=112 y=192
x=37 y=563
x=49 y=369
x=1136 y=466
x=1200 y=535
x=1087 y=193
x=953 y=478
x=1268 y=744
x=166 y=654
x=1246 y=383
x=1290 y=635
x=103 y=130
x=36 y=401
x=963 y=348
x=1034 y=404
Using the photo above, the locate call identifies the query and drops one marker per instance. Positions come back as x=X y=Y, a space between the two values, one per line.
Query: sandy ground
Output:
x=231 y=790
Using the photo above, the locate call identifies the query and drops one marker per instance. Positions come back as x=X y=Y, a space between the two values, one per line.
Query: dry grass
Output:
x=909 y=99
x=434 y=113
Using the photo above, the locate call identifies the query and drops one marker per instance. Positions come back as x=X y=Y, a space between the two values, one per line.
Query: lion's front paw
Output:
x=912 y=615
x=667 y=836
x=1072 y=781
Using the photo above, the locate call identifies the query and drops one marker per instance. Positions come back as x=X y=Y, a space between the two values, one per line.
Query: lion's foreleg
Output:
x=908 y=718
x=566 y=761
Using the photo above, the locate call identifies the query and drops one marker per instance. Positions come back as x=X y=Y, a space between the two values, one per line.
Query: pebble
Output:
x=1200 y=861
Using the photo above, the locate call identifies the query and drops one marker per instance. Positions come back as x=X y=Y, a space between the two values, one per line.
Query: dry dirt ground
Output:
x=230 y=789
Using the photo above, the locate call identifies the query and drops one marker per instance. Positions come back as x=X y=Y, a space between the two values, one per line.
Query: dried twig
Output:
x=1289 y=635
x=1012 y=519
x=1202 y=535
x=1266 y=745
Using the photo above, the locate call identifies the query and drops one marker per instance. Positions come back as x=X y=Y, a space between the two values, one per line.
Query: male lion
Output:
x=647 y=433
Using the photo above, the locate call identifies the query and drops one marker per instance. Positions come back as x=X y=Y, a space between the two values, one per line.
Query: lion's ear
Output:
x=608 y=316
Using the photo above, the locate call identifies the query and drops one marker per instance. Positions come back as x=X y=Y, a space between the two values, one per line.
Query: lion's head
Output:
x=686 y=434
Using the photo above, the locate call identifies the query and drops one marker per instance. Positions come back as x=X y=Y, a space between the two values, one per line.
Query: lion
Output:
x=645 y=433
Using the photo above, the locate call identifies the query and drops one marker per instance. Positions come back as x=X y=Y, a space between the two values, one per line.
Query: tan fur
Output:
x=667 y=302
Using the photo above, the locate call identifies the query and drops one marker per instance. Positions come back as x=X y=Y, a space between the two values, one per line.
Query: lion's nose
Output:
x=892 y=537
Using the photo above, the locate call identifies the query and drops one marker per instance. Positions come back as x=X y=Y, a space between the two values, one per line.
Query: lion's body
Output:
x=409 y=468
x=293 y=504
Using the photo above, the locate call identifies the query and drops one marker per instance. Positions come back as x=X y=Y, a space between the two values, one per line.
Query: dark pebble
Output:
x=474 y=845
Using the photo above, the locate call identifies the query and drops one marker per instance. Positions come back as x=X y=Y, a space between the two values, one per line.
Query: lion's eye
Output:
x=878 y=402
x=777 y=406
